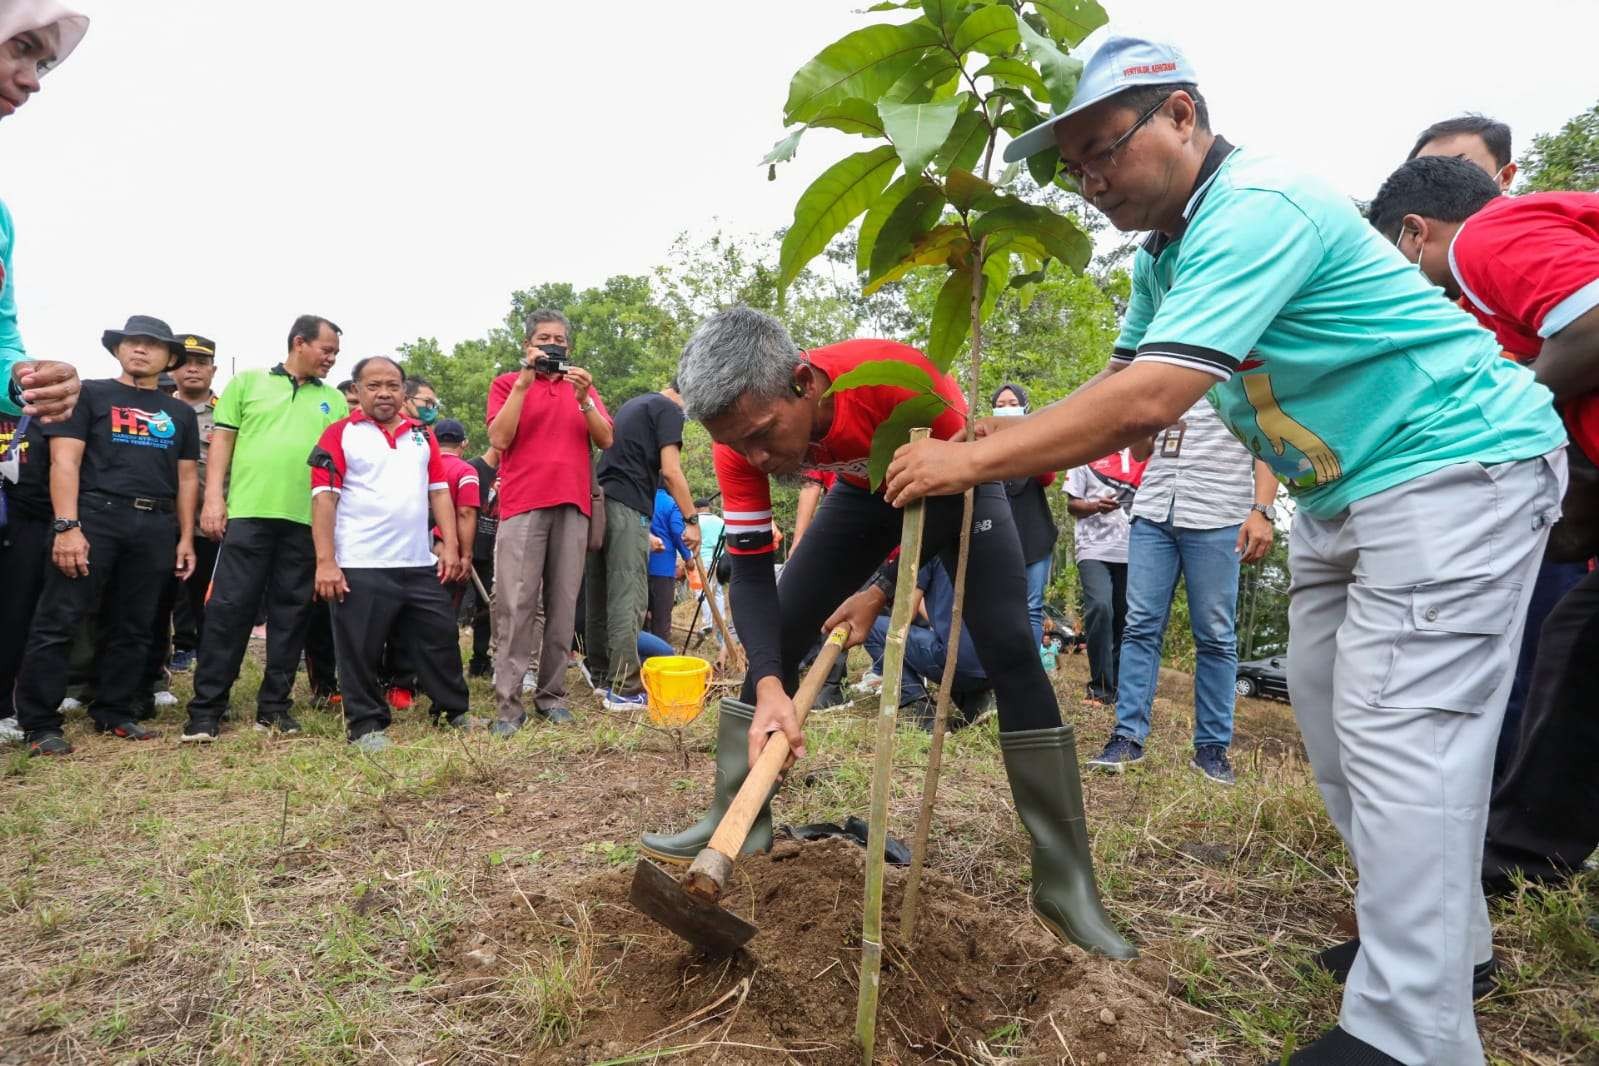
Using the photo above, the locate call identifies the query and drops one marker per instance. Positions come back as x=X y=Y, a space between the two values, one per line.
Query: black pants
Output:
x=259 y=555
x=1543 y=820
x=854 y=531
x=662 y=595
x=24 y=557
x=482 y=628
x=1104 y=617
x=321 y=658
x=181 y=607
x=131 y=555
x=405 y=605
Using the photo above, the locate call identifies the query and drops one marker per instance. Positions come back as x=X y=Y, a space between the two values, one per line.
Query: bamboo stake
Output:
x=910 y=553
x=935 y=753
x=735 y=651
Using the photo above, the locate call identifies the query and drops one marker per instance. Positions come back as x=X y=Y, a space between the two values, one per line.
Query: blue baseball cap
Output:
x=1119 y=64
x=448 y=430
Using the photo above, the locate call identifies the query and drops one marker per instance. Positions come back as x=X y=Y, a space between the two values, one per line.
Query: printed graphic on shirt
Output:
x=1298 y=457
x=145 y=429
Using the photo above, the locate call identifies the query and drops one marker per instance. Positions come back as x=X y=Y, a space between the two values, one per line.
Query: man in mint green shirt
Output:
x=1426 y=469
x=258 y=505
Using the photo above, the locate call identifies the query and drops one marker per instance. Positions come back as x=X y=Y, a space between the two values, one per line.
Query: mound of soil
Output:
x=980 y=983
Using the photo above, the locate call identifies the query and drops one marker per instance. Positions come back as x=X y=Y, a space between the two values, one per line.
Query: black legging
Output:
x=853 y=532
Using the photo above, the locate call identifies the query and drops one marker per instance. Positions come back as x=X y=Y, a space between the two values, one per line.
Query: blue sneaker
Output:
x=1118 y=755
x=616 y=701
x=182 y=662
x=1211 y=760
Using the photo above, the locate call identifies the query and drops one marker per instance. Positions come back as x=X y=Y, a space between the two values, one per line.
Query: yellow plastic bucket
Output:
x=676 y=687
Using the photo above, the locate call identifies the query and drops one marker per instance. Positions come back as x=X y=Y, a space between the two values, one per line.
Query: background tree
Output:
x=1567 y=160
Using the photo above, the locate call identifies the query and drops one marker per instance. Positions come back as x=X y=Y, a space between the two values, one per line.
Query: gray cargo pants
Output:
x=1405 y=618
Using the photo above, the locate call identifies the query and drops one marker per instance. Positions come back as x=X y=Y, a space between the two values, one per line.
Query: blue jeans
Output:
x=1157 y=552
x=924 y=661
x=1037 y=582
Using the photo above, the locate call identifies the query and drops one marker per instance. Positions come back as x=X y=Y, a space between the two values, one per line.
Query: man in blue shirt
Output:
x=1426 y=471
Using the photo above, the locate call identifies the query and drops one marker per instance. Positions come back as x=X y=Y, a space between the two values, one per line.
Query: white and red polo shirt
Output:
x=383 y=479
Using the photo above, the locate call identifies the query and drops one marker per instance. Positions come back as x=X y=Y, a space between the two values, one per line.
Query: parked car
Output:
x=1263 y=677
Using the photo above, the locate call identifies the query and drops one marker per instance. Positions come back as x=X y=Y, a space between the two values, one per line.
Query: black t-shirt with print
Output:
x=29 y=497
x=631 y=470
x=488 y=512
x=133 y=439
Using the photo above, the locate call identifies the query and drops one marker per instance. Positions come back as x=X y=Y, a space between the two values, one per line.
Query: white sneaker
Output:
x=165 y=699
x=9 y=731
x=530 y=681
x=70 y=704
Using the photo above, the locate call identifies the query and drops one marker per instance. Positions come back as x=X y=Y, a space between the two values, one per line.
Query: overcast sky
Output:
x=401 y=167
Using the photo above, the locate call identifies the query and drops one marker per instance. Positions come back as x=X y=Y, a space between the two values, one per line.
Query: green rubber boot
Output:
x=1042 y=767
x=732 y=765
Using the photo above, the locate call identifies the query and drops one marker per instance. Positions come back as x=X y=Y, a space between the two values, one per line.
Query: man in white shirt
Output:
x=375 y=478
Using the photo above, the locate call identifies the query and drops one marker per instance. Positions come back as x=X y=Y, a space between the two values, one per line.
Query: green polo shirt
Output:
x=1338 y=363
x=276 y=423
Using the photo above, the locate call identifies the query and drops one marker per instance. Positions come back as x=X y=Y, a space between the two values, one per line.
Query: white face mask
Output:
x=1009 y=412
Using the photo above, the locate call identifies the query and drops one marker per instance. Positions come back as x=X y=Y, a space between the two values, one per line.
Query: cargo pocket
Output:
x=1452 y=651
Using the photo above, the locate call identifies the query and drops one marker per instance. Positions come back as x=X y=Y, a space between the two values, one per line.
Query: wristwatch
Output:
x=1266 y=509
x=61 y=525
x=586 y=406
x=691 y=519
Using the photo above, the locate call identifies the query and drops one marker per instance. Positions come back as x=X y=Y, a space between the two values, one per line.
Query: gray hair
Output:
x=735 y=352
x=538 y=317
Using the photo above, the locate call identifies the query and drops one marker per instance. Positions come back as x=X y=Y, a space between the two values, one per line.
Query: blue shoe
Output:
x=615 y=701
x=1118 y=755
x=182 y=661
x=1211 y=760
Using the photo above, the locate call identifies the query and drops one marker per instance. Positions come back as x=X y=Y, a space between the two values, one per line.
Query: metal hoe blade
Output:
x=658 y=895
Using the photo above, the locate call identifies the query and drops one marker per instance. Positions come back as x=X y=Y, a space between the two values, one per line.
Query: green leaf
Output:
x=1036 y=229
x=883 y=372
x=965 y=144
x=1059 y=70
x=852 y=116
x=1015 y=73
x=996 y=271
x=1043 y=166
x=990 y=30
x=832 y=202
x=924 y=80
x=917 y=213
x=941 y=12
x=918 y=130
x=893 y=5
x=966 y=190
x=952 y=319
x=1071 y=20
x=877 y=214
x=1021 y=115
x=863 y=63
x=783 y=150
x=895 y=430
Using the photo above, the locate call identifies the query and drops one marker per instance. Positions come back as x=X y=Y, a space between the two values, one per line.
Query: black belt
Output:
x=138 y=503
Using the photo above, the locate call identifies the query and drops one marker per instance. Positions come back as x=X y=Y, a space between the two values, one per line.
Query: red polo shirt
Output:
x=1528 y=266
x=547 y=464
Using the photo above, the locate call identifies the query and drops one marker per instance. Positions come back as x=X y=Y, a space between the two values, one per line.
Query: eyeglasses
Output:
x=1105 y=159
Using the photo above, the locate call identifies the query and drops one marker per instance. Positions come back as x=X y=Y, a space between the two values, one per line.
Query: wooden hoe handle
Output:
x=708 y=875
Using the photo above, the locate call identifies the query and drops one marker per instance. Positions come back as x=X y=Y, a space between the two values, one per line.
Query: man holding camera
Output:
x=542 y=419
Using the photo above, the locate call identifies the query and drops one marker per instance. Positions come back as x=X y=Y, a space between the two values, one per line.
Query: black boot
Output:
x=732 y=766
x=1042 y=767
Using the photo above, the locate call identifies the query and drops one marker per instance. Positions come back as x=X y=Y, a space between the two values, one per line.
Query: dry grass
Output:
x=288 y=900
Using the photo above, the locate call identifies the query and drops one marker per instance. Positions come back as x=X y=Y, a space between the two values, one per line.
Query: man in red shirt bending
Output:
x=767 y=407
x=542 y=418
x=1528 y=268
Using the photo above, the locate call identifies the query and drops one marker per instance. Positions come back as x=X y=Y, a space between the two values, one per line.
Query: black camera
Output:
x=553 y=361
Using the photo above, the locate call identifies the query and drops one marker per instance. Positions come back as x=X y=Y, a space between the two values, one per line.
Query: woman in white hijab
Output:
x=35 y=36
